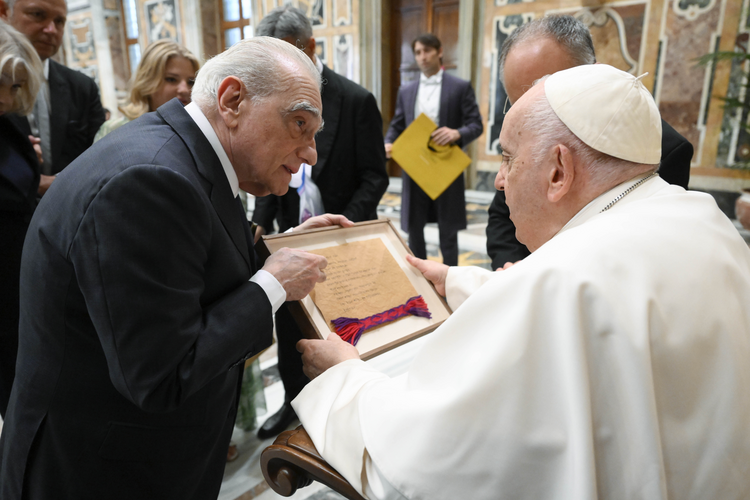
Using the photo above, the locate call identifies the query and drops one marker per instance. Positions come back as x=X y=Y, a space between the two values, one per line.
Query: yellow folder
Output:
x=432 y=167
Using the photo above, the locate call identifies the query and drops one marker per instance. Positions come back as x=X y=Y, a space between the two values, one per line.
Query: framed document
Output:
x=367 y=277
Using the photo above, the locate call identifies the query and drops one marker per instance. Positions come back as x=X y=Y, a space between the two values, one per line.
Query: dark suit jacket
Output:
x=76 y=114
x=458 y=110
x=19 y=181
x=350 y=171
x=502 y=245
x=129 y=370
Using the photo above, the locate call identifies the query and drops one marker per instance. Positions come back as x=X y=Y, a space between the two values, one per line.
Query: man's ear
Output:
x=229 y=96
x=309 y=48
x=4 y=11
x=562 y=174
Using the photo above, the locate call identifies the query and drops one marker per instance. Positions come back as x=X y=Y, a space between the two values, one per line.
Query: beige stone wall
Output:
x=660 y=37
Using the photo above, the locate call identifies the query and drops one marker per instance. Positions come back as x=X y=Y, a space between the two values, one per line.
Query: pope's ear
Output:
x=229 y=96
x=561 y=174
x=4 y=10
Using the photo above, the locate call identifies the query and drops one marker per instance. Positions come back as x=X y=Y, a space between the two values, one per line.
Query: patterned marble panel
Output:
x=162 y=20
x=317 y=13
x=612 y=41
x=342 y=12
x=343 y=56
x=80 y=32
x=502 y=3
x=321 y=49
x=691 y=29
x=734 y=140
x=117 y=52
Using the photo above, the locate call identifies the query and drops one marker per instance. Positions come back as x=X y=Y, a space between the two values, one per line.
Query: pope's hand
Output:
x=324 y=221
x=507 y=265
x=297 y=271
x=433 y=271
x=320 y=355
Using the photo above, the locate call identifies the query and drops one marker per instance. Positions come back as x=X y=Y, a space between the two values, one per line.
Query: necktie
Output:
x=41 y=113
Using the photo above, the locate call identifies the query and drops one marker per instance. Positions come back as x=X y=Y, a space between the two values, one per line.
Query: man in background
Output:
x=450 y=103
x=350 y=174
x=543 y=47
x=68 y=111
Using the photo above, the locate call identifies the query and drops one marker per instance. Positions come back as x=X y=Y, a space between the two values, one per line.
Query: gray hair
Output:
x=550 y=131
x=17 y=52
x=258 y=63
x=284 y=22
x=11 y=4
x=570 y=33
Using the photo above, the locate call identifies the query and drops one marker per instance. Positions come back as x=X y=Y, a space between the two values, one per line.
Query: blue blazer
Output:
x=136 y=318
x=458 y=110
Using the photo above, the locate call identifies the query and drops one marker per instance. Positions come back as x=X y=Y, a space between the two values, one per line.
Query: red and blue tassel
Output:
x=351 y=329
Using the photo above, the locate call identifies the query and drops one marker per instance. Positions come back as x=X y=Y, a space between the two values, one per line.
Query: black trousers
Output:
x=290 y=360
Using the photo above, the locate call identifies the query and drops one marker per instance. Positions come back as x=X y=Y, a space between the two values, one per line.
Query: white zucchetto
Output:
x=607 y=109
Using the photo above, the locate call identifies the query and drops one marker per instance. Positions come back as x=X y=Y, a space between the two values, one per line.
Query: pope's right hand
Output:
x=297 y=271
x=433 y=271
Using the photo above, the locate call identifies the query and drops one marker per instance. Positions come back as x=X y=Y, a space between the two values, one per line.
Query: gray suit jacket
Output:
x=136 y=318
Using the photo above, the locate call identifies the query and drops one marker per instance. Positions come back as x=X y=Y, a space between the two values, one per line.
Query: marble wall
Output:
x=335 y=28
x=663 y=38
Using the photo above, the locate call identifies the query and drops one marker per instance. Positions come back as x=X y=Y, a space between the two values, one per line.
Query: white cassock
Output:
x=614 y=362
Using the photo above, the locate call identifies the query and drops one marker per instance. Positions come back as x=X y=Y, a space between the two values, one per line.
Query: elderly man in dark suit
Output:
x=68 y=111
x=128 y=377
x=542 y=47
x=449 y=102
x=350 y=174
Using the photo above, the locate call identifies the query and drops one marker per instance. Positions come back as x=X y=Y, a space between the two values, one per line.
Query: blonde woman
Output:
x=167 y=70
x=20 y=79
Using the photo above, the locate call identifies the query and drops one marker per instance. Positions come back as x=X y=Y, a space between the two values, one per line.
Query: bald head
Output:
x=543 y=47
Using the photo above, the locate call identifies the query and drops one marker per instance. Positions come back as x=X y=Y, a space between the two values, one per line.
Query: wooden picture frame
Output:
x=387 y=336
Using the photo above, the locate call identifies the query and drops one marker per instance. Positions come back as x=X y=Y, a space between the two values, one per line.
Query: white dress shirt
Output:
x=275 y=292
x=428 y=96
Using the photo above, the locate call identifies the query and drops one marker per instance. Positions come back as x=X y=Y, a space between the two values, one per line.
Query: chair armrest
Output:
x=292 y=462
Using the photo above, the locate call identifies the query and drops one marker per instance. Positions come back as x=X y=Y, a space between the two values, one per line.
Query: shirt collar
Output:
x=435 y=79
x=319 y=65
x=46 y=69
x=200 y=119
x=595 y=207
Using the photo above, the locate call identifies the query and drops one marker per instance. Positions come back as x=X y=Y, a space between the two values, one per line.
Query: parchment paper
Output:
x=362 y=279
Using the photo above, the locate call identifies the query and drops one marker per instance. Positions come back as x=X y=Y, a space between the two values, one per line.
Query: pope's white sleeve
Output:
x=376 y=486
x=328 y=408
x=461 y=282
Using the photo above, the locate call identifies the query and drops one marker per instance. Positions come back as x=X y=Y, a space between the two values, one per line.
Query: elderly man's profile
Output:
x=610 y=363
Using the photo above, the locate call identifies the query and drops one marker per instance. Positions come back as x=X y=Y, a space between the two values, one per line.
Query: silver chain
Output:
x=627 y=192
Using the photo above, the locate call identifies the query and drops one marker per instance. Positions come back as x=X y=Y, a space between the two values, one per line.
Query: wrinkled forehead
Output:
x=514 y=121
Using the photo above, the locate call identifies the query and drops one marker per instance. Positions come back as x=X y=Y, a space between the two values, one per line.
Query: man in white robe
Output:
x=613 y=362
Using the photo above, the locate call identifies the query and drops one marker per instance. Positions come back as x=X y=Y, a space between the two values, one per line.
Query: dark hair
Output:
x=567 y=31
x=286 y=21
x=428 y=40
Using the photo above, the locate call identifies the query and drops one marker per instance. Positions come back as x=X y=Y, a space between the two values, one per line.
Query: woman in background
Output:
x=167 y=70
x=20 y=80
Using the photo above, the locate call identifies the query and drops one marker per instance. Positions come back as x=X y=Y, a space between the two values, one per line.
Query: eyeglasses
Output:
x=507 y=105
